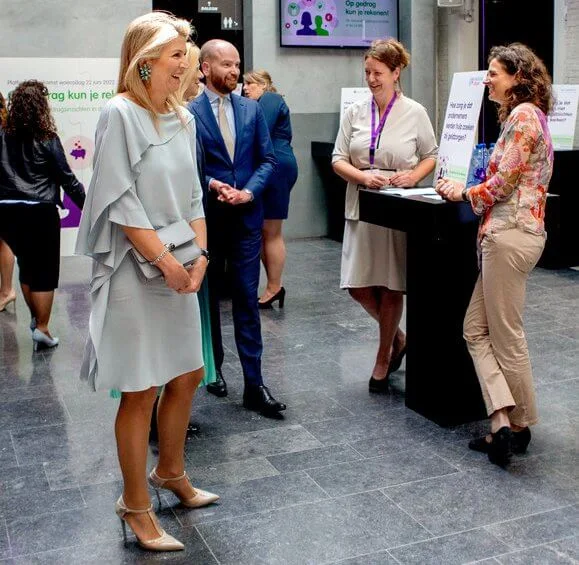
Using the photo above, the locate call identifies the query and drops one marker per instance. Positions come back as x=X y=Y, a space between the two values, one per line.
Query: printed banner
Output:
x=77 y=91
x=460 y=122
x=563 y=118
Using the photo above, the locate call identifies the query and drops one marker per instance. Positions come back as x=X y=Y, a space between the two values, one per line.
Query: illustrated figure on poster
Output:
x=307 y=23
x=322 y=12
x=319 y=29
x=78 y=152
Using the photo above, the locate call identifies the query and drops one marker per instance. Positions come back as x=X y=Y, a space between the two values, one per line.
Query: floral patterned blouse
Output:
x=515 y=192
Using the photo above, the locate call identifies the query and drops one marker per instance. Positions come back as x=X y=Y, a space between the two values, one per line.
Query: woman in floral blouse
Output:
x=511 y=203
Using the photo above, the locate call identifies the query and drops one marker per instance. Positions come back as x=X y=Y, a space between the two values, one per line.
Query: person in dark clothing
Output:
x=33 y=168
x=239 y=160
x=259 y=86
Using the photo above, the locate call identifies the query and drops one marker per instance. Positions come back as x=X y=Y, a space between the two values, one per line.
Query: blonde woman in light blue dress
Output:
x=146 y=335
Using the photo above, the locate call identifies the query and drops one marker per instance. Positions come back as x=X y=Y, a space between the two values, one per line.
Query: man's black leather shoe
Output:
x=219 y=387
x=258 y=398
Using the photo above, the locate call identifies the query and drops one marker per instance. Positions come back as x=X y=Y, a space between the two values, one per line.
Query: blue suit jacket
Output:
x=254 y=159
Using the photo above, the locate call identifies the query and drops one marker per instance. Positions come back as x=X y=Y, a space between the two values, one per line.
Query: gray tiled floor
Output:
x=344 y=478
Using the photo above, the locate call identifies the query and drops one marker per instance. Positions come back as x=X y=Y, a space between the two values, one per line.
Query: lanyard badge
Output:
x=377 y=131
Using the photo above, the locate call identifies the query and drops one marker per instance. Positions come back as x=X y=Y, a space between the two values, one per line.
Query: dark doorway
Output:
x=210 y=25
x=503 y=21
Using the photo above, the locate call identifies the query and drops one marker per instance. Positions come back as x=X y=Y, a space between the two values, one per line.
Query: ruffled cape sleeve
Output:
x=111 y=199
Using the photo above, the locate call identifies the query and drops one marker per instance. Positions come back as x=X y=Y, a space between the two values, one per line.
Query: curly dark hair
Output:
x=3 y=110
x=29 y=113
x=533 y=80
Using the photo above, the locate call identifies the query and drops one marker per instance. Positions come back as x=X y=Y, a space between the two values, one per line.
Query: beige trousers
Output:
x=493 y=325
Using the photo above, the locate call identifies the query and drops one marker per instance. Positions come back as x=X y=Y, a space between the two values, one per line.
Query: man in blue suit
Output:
x=239 y=160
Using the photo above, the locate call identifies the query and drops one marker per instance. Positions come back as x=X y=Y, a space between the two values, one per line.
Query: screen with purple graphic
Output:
x=337 y=23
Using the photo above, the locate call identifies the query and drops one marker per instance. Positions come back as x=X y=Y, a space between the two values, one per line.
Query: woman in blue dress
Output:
x=258 y=85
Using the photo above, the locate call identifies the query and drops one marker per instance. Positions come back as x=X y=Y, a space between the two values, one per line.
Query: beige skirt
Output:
x=373 y=256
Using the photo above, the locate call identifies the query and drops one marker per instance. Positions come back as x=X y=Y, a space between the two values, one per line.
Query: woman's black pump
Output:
x=279 y=296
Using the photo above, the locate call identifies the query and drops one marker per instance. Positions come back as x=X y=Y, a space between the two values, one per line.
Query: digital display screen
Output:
x=337 y=23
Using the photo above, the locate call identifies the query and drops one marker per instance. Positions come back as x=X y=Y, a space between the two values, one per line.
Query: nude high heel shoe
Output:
x=201 y=497
x=164 y=542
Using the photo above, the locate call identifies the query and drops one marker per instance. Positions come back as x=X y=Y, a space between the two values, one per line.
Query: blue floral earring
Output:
x=145 y=72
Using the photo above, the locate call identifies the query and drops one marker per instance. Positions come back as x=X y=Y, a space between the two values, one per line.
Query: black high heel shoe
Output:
x=279 y=296
x=396 y=362
x=480 y=444
x=378 y=386
x=521 y=441
x=500 y=449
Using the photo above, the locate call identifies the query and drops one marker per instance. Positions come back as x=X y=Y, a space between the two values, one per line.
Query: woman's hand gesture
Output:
x=449 y=189
x=176 y=276
x=403 y=179
x=196 y=275
x=374 y=180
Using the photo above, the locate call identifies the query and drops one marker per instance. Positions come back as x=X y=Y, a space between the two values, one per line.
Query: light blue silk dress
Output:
x=140 y=334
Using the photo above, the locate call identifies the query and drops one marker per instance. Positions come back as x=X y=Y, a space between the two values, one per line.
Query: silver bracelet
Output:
x=168 y=249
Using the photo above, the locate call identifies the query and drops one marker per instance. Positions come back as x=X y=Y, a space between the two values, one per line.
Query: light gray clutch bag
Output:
x=180 y=240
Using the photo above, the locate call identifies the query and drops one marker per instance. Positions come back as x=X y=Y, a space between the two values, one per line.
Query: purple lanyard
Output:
x=376 y=132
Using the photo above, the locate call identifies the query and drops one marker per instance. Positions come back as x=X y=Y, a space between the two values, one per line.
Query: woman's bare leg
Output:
x=132 y=434
x=389 y=315
x=40 y=304
x=367 y=297
x=7 y=292
x=173 y=415
x=273 y=257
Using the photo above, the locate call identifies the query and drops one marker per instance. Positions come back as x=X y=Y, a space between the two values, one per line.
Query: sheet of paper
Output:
x=409 y=191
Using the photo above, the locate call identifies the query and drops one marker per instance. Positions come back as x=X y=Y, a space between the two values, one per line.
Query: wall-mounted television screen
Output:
x=337 y=23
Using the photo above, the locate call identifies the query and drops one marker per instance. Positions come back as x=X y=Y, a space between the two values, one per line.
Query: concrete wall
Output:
x=310 y=80
x=457 y=51
x=58 y=28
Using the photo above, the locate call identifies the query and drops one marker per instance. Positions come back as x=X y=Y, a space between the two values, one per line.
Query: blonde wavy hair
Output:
x=192 y=56
x=145 y=39
x=263 y=78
